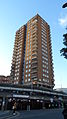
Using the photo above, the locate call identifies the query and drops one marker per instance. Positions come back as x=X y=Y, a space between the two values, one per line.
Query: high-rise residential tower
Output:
x=32 y=55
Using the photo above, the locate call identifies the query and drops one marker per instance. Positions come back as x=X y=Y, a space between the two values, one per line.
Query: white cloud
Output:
x=63 y=21
x=4 y=67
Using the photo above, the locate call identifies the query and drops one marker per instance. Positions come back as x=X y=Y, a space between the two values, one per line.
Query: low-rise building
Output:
x=5 y=79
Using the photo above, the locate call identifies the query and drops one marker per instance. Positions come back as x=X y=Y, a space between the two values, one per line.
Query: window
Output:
x=18 y=70
x=25 y=80
x=17 y=77
x=47 y=72
x=29 y=79
x=45 y=58
x=27 y=58
x=45 y=51
x=27 y=50
x=28 y=74
x=43 y=46
x=43 y=74
x=27 y=54
x=44 y=54
x=43 y=43
x=39 y=79
x=30 y=50
x=30 y=42
x=29 y=70
x=16 y=82
x=17 y=74
x=43 y=65
x=43 y=79
x=26 y=71
x=28 y=45
x=27 y=66
x=44 y=40
x=29 y=61
x=28 y=34
x=30 y=53
x=26 y=62
x=45 y=62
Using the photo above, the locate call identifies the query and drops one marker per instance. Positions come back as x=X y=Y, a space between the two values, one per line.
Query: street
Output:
x=42 y=114
x=37 y=114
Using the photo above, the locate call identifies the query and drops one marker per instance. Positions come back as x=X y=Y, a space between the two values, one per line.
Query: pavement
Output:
x=3 y=113
x=8 y=114
x=34 y=114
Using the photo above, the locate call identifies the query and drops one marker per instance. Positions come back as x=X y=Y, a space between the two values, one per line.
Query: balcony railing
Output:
x=33 y=71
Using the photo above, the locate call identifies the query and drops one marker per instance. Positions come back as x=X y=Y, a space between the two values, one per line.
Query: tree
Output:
x=63 y=51
x=64 y=5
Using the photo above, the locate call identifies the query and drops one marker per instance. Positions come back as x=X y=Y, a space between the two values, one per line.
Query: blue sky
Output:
x=15 y=13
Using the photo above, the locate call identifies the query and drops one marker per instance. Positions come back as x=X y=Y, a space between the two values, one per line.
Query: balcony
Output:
x=34 y=66
x=34 y=76
x=13 y=60
x=34 y=54
x=33 y=71
x=34 y=49
x=33 y=62
x=34 y=59
x=34 y=40
x=34 y=35
x=35 y=46
x=34 y=25
x=34 y=30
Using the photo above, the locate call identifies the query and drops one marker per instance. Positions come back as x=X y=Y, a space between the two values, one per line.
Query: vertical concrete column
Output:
x=43 y=105
x=3 y=104
x=28 y=107
x=6 y=101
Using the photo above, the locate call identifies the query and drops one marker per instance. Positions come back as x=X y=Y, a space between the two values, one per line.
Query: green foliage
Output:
x=64 y=5
x=63 y=51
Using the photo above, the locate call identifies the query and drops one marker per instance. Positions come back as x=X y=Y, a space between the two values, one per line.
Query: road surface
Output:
x=37 y=114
